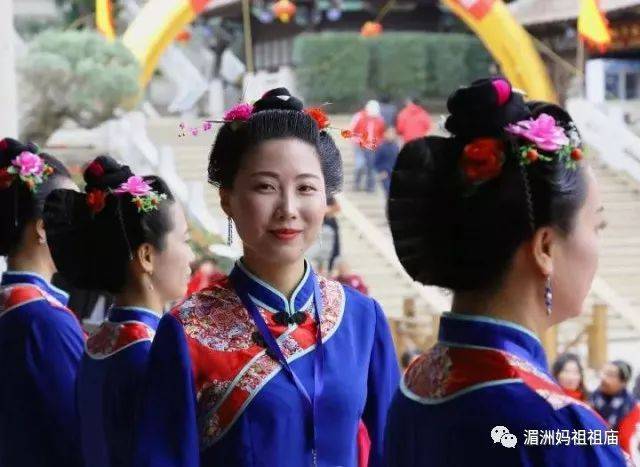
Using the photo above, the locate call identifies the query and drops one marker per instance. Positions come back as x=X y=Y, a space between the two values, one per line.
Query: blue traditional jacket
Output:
x=110 y=381
x=483 y=396
x=41 y=343
x=217 y=398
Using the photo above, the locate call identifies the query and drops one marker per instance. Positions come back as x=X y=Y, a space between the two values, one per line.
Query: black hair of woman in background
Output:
x=41 y=340
x=125 y=235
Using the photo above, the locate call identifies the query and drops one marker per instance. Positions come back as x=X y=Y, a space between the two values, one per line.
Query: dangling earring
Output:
x=149 y=283
x=42 y=241
x=548 y=296
x=229 y=231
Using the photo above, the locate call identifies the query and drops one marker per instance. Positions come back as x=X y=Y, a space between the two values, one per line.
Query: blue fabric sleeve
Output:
x=166 y=432
x=384 y=376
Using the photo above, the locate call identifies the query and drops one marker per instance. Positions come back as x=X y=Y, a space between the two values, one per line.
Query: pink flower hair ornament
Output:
x=30 y=168
x=545 y=139
x=143 y=196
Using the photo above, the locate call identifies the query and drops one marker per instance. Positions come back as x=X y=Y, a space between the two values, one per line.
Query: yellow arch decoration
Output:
x=159 y=21
x=509 y=43
x=155 y=27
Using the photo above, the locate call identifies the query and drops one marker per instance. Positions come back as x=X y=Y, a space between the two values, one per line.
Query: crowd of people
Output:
x=383 y=123
x=274 y=364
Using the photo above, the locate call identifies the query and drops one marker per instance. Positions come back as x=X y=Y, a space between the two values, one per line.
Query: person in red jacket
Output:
x=347 y=277
x=369 y=124
x=413 y=122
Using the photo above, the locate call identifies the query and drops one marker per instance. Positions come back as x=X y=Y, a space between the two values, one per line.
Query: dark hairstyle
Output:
x=449 y=236
x=562 y=361
x=93 y=251
x=624 y=370
x=277 y=114
x=18 y=204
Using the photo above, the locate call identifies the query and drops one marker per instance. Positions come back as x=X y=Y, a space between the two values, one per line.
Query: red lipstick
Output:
x=286 y=234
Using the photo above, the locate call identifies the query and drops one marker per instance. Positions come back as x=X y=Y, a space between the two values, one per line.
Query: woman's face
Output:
x=278 y=200
x=171 y=265
x=575 y=259
x=569 y=377
x=610 y=382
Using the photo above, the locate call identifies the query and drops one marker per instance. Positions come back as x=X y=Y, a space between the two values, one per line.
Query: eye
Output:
x=601 y=226
x=265 y=187
x=307 y=188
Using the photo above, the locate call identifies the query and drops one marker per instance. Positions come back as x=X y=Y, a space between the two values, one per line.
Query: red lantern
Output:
x=371 y=29
x=284 y=10
x=183 y=36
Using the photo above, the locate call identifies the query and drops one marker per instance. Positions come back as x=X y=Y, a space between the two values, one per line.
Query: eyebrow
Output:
x=275 y=175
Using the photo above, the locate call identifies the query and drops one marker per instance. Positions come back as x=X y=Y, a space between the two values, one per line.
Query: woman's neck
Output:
x=141 y=297
x=283 y=277
x=31 y=262
x=518 y=308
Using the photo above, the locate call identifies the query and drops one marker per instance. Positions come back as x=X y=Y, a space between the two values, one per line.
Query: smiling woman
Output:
x=274 y=366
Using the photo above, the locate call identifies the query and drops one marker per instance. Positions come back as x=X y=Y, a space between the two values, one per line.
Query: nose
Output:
x=288 y=206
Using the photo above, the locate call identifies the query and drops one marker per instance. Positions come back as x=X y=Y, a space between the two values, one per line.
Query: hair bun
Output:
x=278 y=99
x=11 y=148
x=104 y=172
x=484 y=108
x=424 y=188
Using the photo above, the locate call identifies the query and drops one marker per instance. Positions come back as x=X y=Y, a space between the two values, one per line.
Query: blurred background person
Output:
x=346 y=276
x=616 y=405
x=205 y=272
x=386 y=155
x=388 y=110
x=368 y=122
x=568 y=371
x=413 y=121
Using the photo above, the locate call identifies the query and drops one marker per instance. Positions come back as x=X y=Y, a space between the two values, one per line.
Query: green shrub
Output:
x=332 y=67
x=345 y=68
x=77 y=75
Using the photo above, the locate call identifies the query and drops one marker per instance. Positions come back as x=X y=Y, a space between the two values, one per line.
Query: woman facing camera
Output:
x=125 y=235
x=506 y=214
x=274 y=366
x=40 y=338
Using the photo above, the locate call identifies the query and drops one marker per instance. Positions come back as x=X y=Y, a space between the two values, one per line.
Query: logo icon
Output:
x=500 y=434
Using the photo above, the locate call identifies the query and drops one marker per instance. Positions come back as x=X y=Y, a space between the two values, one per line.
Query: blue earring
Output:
x=548 y=296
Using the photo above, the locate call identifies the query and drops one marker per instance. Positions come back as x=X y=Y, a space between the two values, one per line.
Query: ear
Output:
x=145 y=256
x=542 y=245
x=41 y=233
x=225 y=201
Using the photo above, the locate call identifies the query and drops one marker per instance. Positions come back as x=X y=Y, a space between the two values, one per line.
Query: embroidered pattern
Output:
x=216 y=318
x=235 y=368
x=111 y=337
x=428 y=377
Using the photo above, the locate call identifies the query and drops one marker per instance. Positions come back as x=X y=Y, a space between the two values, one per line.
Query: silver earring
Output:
x=548 y=296
x=229 y=231
x=42 y=241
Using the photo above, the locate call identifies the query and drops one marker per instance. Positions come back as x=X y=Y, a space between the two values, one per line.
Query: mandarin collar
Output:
x=482 y=331
x=267 y=297
x=26 y=277
x=119 y=314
